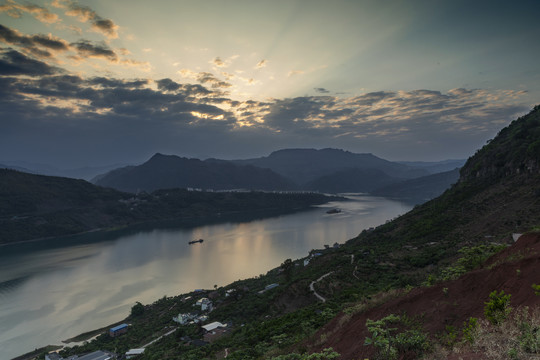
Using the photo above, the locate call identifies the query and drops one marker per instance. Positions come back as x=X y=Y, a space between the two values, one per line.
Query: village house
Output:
x=118 y=330
x=205 y=304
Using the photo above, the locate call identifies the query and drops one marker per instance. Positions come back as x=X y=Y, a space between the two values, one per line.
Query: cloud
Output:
x=321 y=90
x=85 y=14
x=261 y=64
x=14 y=63
x=38 y=45
x=205 y=78
x=42 y=14
x=218 y=62
x=86 y=49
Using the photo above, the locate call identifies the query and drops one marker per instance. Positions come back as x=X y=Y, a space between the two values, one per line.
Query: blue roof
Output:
x=119 y=327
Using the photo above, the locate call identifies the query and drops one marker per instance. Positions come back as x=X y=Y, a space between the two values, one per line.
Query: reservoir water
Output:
x=55 y=289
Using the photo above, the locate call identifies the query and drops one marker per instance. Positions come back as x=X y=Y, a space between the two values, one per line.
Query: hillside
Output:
x=37 y=206
x=170 y=171
x=419 y=190
x=432 y=269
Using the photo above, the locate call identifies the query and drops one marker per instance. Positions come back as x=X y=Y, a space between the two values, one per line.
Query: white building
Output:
x=212 y=326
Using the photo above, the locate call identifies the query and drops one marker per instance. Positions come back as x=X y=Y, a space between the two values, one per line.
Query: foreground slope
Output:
x=445 y=305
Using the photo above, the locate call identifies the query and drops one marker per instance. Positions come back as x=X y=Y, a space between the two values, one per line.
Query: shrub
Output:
x=498 y=307
x=391 y=346
x=470 y=330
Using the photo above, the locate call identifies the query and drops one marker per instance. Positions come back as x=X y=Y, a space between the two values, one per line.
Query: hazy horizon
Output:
x=116 y=82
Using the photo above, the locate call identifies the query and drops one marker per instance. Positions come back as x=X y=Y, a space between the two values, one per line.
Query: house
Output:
x=268 y=287
x=118 y=330
x=134 y=352
x=205 y=304
x=183 y=319
x=212 y=326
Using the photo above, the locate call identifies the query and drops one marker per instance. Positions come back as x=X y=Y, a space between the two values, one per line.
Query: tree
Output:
x=287 y=267
x=137 y=309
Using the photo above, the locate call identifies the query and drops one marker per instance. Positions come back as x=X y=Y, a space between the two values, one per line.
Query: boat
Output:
x=195 y=241
x=333 y=211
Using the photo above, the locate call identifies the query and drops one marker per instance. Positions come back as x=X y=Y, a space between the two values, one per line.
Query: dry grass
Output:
x=516 y=338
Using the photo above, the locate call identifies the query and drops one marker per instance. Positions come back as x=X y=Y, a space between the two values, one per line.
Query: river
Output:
x=55 y=289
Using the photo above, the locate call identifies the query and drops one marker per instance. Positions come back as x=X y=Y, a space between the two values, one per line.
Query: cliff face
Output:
x=515 y=151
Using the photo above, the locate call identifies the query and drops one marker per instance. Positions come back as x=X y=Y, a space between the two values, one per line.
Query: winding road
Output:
x=312 y=288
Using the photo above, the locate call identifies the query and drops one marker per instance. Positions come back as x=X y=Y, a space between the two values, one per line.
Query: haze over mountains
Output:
x=325 y=170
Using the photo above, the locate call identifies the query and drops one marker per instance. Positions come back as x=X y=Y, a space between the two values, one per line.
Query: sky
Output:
x=90 y=83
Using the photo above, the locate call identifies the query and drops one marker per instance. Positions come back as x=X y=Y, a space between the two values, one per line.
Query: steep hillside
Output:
x=170 y=171
x=419 y=190
x=305 y=165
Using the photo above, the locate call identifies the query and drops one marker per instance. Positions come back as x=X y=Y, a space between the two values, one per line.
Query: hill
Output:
x=419 y=190
x=170 y=171
x=37 y=206
x=418 y=278
x=307 y=165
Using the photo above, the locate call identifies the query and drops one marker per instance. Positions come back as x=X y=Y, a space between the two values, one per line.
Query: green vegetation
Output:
x=392 y=344
x=470 y=330
x=498 y=307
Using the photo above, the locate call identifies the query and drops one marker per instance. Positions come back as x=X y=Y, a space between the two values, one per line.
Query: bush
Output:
x=498 y=307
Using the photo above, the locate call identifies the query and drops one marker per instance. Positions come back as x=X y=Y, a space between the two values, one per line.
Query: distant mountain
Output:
x=326 y=170
x=85 y=173
x=419 y=190
x=306 y=165
x=170 y=171
x=434 y=167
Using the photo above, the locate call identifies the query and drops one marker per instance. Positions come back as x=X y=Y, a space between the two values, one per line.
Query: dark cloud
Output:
x=101 y=51
x=116 y=83
x=84 y=13
x=14 y=63
x=38 y=45
x=106 y=26
x=206 y=77
x=168 y=84
x=321 y=90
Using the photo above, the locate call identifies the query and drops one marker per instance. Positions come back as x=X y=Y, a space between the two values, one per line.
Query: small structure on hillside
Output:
x=268 y=287
x=118 y=330
x=134 y=352
x=205 y=304
x=213 y=325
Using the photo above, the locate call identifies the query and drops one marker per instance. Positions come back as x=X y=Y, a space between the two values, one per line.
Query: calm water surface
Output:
x=86 y=282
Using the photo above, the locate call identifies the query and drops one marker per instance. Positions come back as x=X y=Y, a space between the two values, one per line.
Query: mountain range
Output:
x=325 y=170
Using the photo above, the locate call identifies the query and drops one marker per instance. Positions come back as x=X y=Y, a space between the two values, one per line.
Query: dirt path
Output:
x=312 y=288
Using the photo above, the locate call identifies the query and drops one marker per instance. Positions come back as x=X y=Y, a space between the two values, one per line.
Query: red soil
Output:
x=513 y=270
